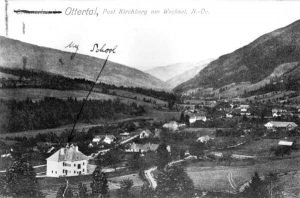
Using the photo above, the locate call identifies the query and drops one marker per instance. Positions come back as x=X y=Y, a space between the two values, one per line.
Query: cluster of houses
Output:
x=69 y=161
x=285 y=113
x=240 y=110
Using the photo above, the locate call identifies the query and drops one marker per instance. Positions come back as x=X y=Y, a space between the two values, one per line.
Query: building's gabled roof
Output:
x=144 y=147
x=105 y=136
x=285 y=143
x=70 y=154
x=282 y=124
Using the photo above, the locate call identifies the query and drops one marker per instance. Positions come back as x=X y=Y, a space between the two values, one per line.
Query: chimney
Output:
x=76 y=148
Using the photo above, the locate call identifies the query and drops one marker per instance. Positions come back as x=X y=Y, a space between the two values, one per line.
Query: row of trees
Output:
x=53 y=112
x=40 y=79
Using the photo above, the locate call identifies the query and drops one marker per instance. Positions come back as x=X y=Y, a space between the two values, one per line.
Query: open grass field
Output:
x=291 y=184
x=128 y=94
x=259 y=148
x=163 y=116
x=201 y=131
x=215 y=178
x=37 y=94
x=256 y=147
x=80 y=127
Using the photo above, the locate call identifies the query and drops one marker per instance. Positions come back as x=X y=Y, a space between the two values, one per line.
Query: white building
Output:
x=145 y=134
x=142 y=147
x=68 y=161
x=194 y=118
x=173 y=125
x=278 y=112
x=229 y=115
x=285 y=143
x=107 y=139
x=204 y=139
x=282 y=125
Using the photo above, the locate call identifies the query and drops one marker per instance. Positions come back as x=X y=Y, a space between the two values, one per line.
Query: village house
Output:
x=107 y=139
x=145 y=134
x=68 y=161
x=173 y=126
x=142 y=148
x=281 y=125
x=204 y=139
x=229 y=115
x=278 y=112
x=124 y=135
x=244 y=110
x=157 y=133
x=194 y=118
x=285 y=143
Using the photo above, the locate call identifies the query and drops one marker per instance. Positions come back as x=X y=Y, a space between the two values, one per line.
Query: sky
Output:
x=147 y=41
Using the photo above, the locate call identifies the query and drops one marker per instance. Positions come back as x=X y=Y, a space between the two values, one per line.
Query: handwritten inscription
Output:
x=75 y=46
x=103 y=49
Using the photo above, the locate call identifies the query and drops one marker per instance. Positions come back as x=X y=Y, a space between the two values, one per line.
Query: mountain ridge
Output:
x=252 y=62
x=82 y=66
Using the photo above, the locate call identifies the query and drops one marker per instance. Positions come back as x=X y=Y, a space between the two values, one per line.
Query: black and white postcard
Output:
x=149 y=99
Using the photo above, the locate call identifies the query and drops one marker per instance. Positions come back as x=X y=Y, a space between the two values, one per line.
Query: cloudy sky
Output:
x=150 y=40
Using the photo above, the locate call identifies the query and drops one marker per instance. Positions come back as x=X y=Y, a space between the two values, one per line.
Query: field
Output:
x=163 y=116
x=80 y=127
x=215 y=178
x=256 y=147
x=201 y=131
x=38 y=94
x=140 y=97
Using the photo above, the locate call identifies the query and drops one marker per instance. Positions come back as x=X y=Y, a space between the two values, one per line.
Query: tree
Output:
x=99 y=184
x=111 y=158
x=20 y=180
x=24 y=60
x=283 y=150
x=174 y=182
x=274 y=188
x=182 y=119
x=82 y=190
x=124 y=191
x=163 y=156
x=171 y=103
x=197 y=148
x=187 y=120
x=136 y=162
x=147 y=192
x=256 y=188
